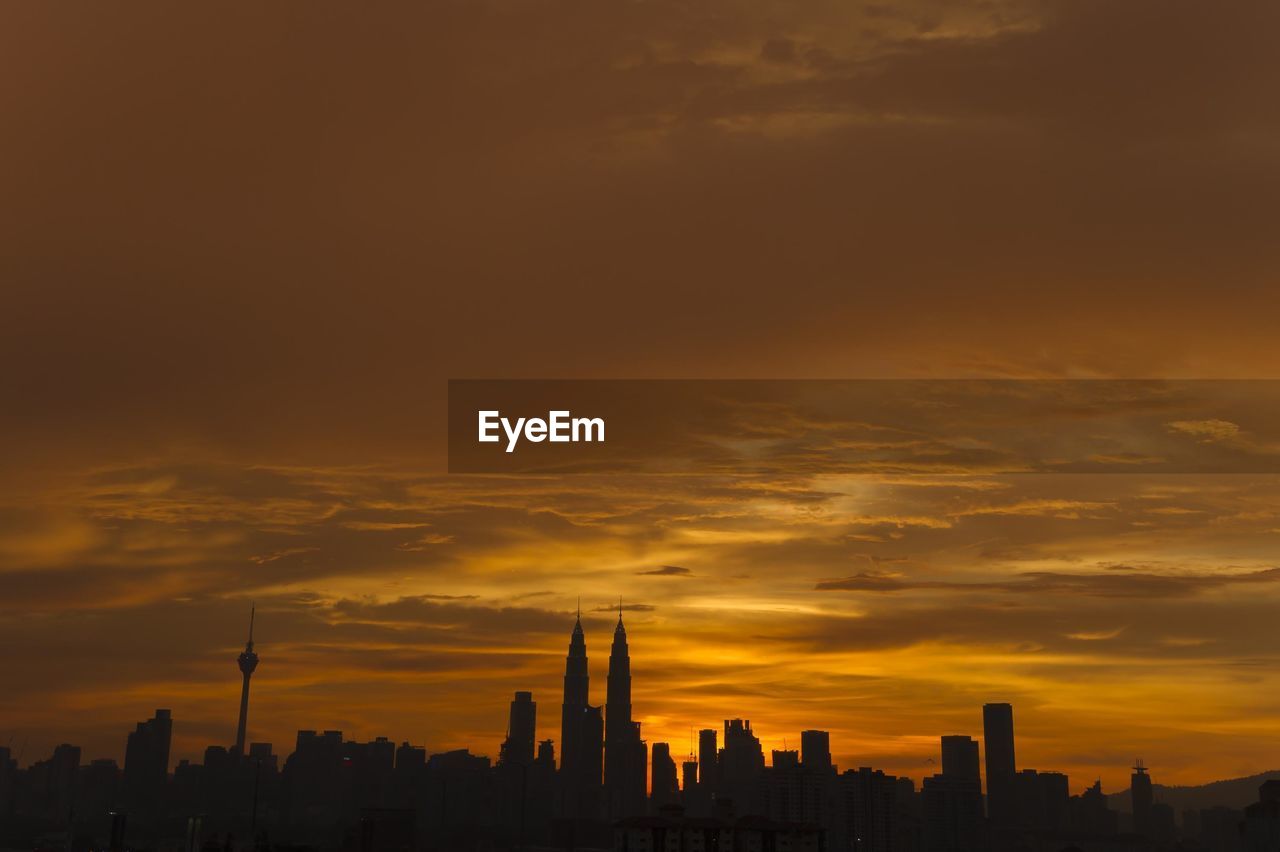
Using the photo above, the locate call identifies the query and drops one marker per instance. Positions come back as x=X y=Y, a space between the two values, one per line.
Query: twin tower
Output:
x=595 y=743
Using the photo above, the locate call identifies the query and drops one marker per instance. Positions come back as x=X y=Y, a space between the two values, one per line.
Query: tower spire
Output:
x=248 y=662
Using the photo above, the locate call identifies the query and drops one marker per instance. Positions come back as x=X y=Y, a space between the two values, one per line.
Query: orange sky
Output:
x=243 y=250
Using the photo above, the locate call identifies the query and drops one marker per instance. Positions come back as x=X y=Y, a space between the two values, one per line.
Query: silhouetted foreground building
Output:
x=608 y=790
x=624 y=751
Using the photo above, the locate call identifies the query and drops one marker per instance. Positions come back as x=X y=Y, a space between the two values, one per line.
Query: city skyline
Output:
x=952 y=755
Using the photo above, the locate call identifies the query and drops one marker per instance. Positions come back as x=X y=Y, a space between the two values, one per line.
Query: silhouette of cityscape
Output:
x=607 y=790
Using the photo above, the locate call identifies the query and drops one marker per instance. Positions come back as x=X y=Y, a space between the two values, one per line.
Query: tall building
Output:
x=815 y=750
x=791 y=793
x=997 y=737
x=952 y=814
x=708 y=760
x=1090 y=813
x=1055 y=794
x=51 y=785
x=689 y=779
x=1260 y=829
x=663 y=785
x=865 y=816
x=960 y=757
x=248 y=662
x=581 y=736
x=1142 y=798
x=741 y=767
x=8 y=773
x=952 y=801
x=517 y=749
x=146 y=762
x=624 y=752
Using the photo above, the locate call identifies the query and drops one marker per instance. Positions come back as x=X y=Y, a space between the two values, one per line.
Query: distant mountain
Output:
x=1233 y=793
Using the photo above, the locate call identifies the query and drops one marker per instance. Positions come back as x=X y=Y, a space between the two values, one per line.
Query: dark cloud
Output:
x=667 y=571
x=1131 y=584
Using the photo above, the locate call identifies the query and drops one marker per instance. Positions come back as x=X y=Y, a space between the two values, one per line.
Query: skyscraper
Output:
x=1142 y=798
x=248 y=662
x=665 y=790
x=997 y=737
x=741 y=765
x=689 y=779
x=708 y=759
x=146 y=762
x=517 y=749
x=624 y=752
x=815 y=750
x=960 y=757
x=581 y=734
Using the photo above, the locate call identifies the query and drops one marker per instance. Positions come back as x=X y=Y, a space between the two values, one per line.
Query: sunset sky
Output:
x=243 y=248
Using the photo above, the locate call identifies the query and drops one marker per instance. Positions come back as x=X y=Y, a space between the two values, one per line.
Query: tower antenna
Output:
x=248 y=663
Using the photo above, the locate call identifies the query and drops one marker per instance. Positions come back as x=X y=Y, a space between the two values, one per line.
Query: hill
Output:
x=1231 y=793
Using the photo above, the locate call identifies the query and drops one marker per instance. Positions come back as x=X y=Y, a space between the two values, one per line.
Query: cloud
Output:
x=1130 y=584
x=866 y=581
x=667 y=571
x=1095 y=635
x=1207 y=431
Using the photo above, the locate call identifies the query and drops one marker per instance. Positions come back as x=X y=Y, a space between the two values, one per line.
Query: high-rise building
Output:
x=8 y=773
x=741 y=765
x=815 y=750
x=960 y=757
x=517 y=749
x=146 y=762
x=689 y=778
x=1055 y=793
x=51 y=784
x=952 y=814
x=997 y=738
x=1030 y=798
x=791 y=793
x=865 y=816
x=411 y=764
x=708 y=757
x=664 y=790
x=1142 y=798
x=581 y=737
x=248 y=662
x=261 y=754
x=1260 y=827
x=1090 y=813
x=624 y=752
